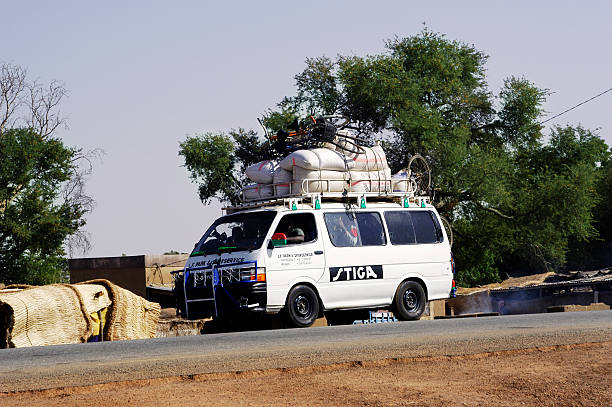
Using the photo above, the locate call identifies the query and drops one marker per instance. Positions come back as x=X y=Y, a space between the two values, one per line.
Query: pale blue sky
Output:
x=144 y=74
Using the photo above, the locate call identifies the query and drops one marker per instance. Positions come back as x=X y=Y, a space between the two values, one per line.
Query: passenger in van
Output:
x=294 y=234
x=347 y=234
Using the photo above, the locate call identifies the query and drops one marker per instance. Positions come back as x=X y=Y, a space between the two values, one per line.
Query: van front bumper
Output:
x=245 y=296
x=207 y=300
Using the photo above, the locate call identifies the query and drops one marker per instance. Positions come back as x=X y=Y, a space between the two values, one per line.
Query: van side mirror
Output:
x=278 y=239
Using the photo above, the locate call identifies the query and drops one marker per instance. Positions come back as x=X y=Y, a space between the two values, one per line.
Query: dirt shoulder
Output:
x=568 y=375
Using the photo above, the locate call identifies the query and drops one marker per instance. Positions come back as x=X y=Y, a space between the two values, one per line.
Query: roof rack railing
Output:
x=376 y=190
x=382 y=186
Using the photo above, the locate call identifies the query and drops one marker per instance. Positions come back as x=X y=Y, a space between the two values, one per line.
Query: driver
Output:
x=294 y=234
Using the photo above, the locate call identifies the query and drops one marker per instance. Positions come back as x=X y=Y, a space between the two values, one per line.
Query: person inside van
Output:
x=345 y=230
x=351 y=232
x=237 y=235
x=294 y=234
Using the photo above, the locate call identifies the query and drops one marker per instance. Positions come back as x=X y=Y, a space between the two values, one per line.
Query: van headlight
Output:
x=253 y=274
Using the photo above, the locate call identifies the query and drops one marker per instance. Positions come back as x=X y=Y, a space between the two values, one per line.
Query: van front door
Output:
x=300 y=260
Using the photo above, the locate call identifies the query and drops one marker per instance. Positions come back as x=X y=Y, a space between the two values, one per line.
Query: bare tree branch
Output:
x=12 y=85
x=43 y=113
x=29 y=104
x=539 y=254
x=75 y=196
x=493 y=210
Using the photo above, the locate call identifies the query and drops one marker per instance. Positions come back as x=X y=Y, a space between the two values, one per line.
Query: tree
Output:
x=515 y=201
x=29 y=104
x=42 y=196
x=593 y=253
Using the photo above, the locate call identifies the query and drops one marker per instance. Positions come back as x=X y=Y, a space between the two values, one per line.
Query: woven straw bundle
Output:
x=45 y=315
x=94 y=296
x=131 y=316
x=61 y=313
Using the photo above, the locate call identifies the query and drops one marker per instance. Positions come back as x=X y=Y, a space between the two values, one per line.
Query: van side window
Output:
x=298 y=227
x=425 y=229
x=401 y=229
x=410 y=227
x=355 y=229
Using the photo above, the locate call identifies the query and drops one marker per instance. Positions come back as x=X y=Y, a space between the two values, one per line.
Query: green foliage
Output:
x=249 y=148
x=34 y=219
x=593 y=253
x=603 y=211
x=317 y=87
x=280 y=119
x=521 y=108
x=210 y=160
x=517 y=202
x=216 y=162
x=558 y=188
x=481 y=268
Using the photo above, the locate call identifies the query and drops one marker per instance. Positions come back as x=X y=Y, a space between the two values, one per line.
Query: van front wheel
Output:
x=409 y=302
x=302 y=307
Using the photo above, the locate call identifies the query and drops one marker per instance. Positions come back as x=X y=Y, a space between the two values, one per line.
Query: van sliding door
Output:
x=354 y=272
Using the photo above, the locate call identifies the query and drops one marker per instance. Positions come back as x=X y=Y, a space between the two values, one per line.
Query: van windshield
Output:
x=240 y=231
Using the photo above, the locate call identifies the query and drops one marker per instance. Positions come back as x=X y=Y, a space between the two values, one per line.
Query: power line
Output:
x=579 y=104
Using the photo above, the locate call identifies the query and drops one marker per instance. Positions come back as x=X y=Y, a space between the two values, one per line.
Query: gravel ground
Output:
x=566 y=375
x=540 y=359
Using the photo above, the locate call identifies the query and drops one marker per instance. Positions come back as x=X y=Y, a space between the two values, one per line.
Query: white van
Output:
x=308 y=256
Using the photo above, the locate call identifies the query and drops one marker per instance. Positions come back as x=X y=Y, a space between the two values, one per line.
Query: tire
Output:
x=409 y=301
x=302 y=307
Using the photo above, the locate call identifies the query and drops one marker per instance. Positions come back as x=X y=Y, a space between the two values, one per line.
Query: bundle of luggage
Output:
x=325 y=169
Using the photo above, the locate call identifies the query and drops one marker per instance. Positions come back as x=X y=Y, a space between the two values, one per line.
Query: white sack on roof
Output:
x=372 y=159
x=329 y=146
x=400 y=181
x=305 y=181
x=316 y=159
x=371 y=181
x=331 y=181
x=261 y=172
x=282 y=179
x=257 y=191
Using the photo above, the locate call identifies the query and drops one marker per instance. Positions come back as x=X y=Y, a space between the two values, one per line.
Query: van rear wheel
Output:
x=302 y=306
x=409 y=302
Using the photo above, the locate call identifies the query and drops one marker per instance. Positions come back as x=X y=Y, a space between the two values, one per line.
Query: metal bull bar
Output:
x=217 y=277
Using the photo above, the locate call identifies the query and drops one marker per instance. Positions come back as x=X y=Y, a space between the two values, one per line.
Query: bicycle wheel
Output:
x=420 y=172
x=449 y=230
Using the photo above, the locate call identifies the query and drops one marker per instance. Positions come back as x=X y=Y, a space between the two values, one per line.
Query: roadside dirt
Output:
x=508 y=283
x=572 y=375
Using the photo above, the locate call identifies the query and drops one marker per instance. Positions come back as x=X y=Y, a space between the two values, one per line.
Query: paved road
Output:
x=85 y=364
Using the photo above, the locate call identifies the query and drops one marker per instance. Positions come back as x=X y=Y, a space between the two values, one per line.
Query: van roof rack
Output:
x=315 y=199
